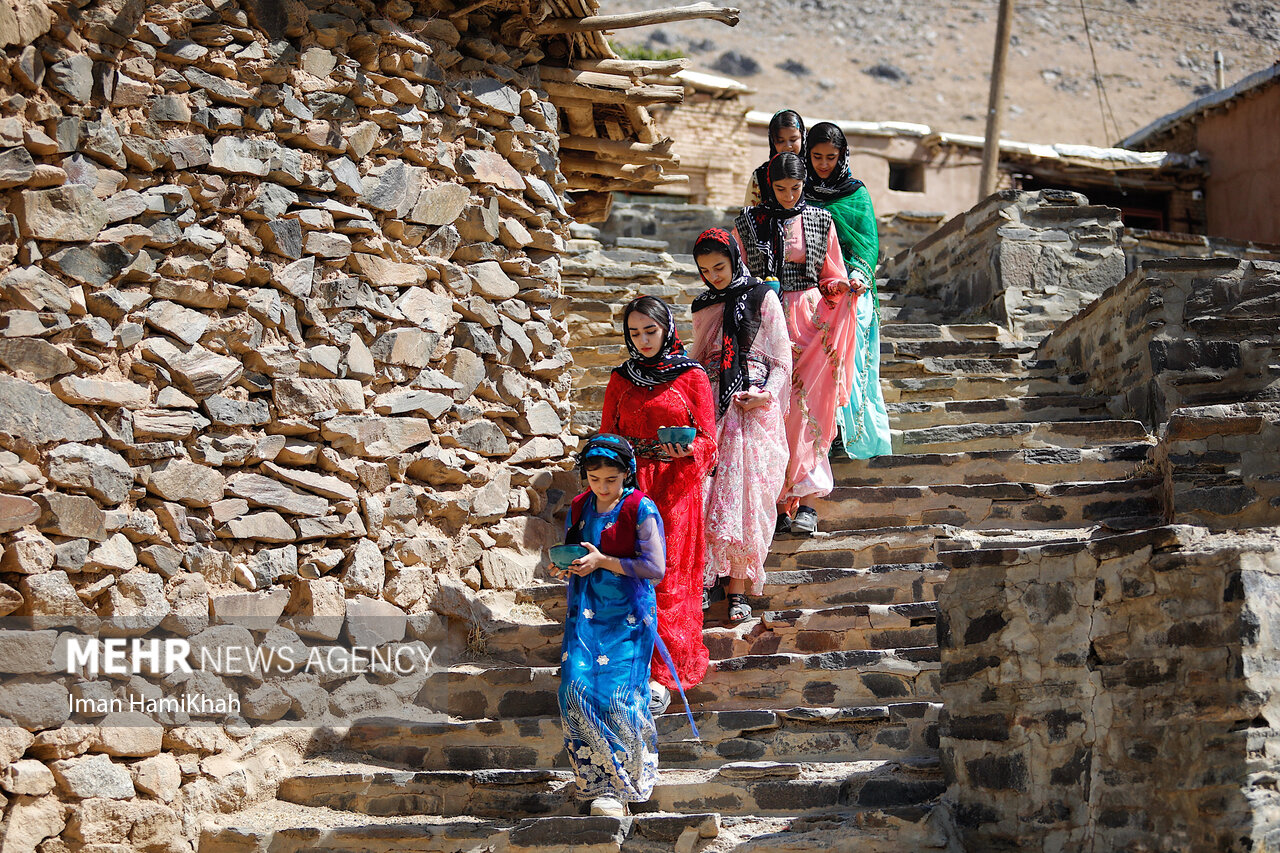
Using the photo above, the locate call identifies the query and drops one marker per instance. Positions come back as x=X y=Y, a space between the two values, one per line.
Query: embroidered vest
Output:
x=816 y=223
x=619 y=538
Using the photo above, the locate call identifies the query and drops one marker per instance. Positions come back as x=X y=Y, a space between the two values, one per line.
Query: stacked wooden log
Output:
x=608 y=138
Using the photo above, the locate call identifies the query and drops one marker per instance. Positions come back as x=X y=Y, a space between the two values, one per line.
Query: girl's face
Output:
x=788 y=191
x=823 y=158
x=788 y=139
x=645 y=333
x=606 y=483
x=715 y=269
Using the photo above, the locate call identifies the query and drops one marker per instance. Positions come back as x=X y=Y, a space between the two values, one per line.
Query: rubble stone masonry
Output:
x=284 y=368
x=1117 y=694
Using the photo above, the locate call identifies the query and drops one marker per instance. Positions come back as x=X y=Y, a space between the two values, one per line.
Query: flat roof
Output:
x=1114 y=159
x=1257 y=80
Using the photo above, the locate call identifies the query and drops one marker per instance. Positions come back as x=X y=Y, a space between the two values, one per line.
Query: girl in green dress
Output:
x=864 y=423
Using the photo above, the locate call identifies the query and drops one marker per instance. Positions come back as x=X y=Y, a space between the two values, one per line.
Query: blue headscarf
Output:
x=614 y=448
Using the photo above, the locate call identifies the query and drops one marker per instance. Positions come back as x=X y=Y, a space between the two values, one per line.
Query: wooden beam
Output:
x=590 y=166
x=641 y=123
x=596 y=184
x=724 y=14
x=634 y=95
x=635 y=67
x=599 y=79
x=591 y=206
x=624 y=149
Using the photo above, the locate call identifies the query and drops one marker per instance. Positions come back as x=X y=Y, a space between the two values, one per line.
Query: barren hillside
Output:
x=928 y=60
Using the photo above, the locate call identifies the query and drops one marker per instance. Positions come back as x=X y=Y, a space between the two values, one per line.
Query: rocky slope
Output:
x=907 y=60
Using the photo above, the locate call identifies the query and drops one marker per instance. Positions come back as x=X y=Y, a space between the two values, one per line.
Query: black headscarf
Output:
x=840 y=182
x=743 y=300
x=768 y=219
x=671 y=360
x=782 y=118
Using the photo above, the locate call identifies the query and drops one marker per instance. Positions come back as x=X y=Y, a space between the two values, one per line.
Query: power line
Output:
x=1097 y=78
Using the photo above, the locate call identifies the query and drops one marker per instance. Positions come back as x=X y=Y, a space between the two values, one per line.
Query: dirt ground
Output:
x=928 y=61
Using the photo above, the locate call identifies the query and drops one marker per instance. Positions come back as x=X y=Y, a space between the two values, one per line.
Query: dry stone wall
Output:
x=1026 y=260
x=1179 y=332
x=284 y=369
x=1117 y=694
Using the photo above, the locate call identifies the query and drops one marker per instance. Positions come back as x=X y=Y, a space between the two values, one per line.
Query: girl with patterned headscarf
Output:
x=864 y=422
x=740 y=337
x=661 y=386
x=796 y=243
x=786 y=133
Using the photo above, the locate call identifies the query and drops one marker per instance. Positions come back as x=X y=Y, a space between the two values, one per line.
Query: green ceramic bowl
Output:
x=563 y=555
x=682 y=436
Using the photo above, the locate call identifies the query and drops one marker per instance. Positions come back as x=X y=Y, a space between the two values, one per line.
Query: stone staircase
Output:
x=819 y=718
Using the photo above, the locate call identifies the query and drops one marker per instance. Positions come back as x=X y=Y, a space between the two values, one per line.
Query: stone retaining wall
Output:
x=1221 y=465
x=677 y=225
x=1118 y=694
x=1179 y=332
x=1143 y=245
x=1026 y=260
x=284 y=367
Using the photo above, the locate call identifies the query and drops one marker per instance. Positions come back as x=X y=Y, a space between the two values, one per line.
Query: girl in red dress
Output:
x=661 y=386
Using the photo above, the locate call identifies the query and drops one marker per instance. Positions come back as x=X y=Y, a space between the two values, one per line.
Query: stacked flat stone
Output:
x=283 y=363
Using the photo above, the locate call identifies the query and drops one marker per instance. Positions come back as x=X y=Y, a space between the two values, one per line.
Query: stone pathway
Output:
x=819 y=718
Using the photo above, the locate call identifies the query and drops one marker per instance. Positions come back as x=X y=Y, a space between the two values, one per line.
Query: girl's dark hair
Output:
x=595 y=463
x=786 y=165
x=710 y=246
x=786 y=118
x=650 y=306
x=826 y=132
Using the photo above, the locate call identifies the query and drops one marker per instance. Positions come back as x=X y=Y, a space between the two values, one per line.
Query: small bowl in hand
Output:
x=679 y=436
x=563 y=555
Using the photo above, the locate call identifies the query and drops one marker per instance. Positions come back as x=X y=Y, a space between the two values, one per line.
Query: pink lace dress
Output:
x=751 y=460
x=823 y=326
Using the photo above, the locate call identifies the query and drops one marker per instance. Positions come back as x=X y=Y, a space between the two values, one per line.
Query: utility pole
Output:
x=995 y=103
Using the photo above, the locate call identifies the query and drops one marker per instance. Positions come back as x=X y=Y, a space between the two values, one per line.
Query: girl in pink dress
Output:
x=796 y=243
x=740 y=336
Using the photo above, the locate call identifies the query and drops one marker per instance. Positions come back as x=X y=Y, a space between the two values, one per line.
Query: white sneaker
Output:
x=659 y=699
x=608 y=807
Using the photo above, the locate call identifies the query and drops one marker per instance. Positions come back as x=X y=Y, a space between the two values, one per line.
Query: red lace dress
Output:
x=675 y=485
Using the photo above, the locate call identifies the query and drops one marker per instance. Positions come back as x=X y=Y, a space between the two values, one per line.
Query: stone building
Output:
x=1231 y=130
x=284 y=368
x=709 y=133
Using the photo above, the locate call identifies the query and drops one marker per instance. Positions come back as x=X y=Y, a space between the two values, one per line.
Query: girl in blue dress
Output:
x=609 y=633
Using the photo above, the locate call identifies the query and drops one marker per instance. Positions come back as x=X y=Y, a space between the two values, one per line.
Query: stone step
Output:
x=1026 y=465
x=895 y=730
x=997 y=505
x=962 y=438
x=816 y=572
x=828 y=629
x=1002 y=368
x=808 y=587
x=736 y=788
x=911 y=389
x=846 y=627
x=284 y=827
x=908 y=350
x=1058 y=407
x=936 y=332
x=847 y=678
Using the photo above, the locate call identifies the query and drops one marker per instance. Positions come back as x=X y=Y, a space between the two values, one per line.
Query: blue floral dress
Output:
x=604 y=664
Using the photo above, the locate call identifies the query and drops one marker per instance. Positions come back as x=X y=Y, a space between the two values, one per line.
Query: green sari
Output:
x=864 y=423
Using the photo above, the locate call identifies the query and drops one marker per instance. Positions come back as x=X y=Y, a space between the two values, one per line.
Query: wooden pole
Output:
x=1219 y=70
x=724 y=14
x=995 y=103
